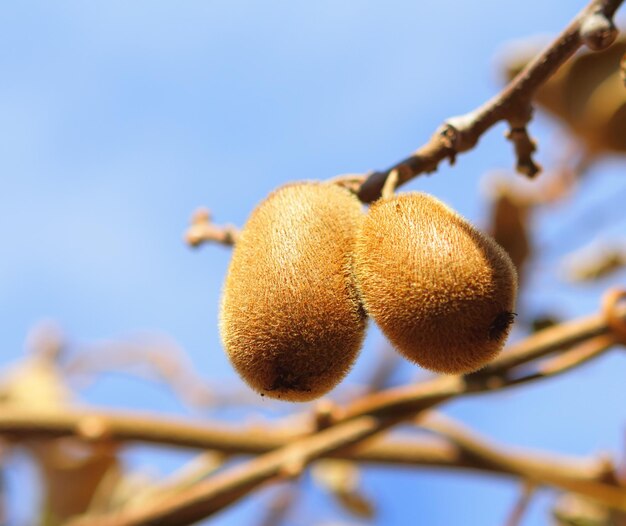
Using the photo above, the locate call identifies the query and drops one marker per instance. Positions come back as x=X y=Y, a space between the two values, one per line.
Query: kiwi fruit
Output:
x=291 y=320
x=442 y=292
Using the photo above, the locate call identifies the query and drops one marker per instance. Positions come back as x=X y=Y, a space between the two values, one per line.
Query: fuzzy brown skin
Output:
x=291 y=319
x=442 y=292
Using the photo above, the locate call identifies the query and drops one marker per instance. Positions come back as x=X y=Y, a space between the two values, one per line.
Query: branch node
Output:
x=292 y=468
x=93 y=428
x=456 y=135
x=598 y=31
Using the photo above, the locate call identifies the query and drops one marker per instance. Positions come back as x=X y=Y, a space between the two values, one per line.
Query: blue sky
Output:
x=119 y=118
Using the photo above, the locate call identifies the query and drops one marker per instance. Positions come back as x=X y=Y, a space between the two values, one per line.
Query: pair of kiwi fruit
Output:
x=309 y=267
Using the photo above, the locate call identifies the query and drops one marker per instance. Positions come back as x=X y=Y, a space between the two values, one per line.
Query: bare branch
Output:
x=207 y=497
x=599 y=490
x=593 y=26
x=550 y=340
x=279 y=507
x=527 y=492
x=248 y=440
x=157 y=356
x=562 y=363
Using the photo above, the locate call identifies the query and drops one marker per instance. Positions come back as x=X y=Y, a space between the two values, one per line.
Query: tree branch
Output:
x=600 y=490
x=593 y=26
x=136 y=427
x=209 y=496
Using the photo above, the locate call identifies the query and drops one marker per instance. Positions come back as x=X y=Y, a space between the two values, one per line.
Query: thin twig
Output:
x=158 y=357
x=202 y=230
x=486 y=450
x=592 y=26
x=581 y=354
x=527 y=492
x=279 y=507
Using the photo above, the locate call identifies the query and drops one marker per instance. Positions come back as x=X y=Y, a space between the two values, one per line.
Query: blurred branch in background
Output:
x=80 y=473
x=527 y=491
x=595 y=261
x=203 y=230
x=150 y=357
